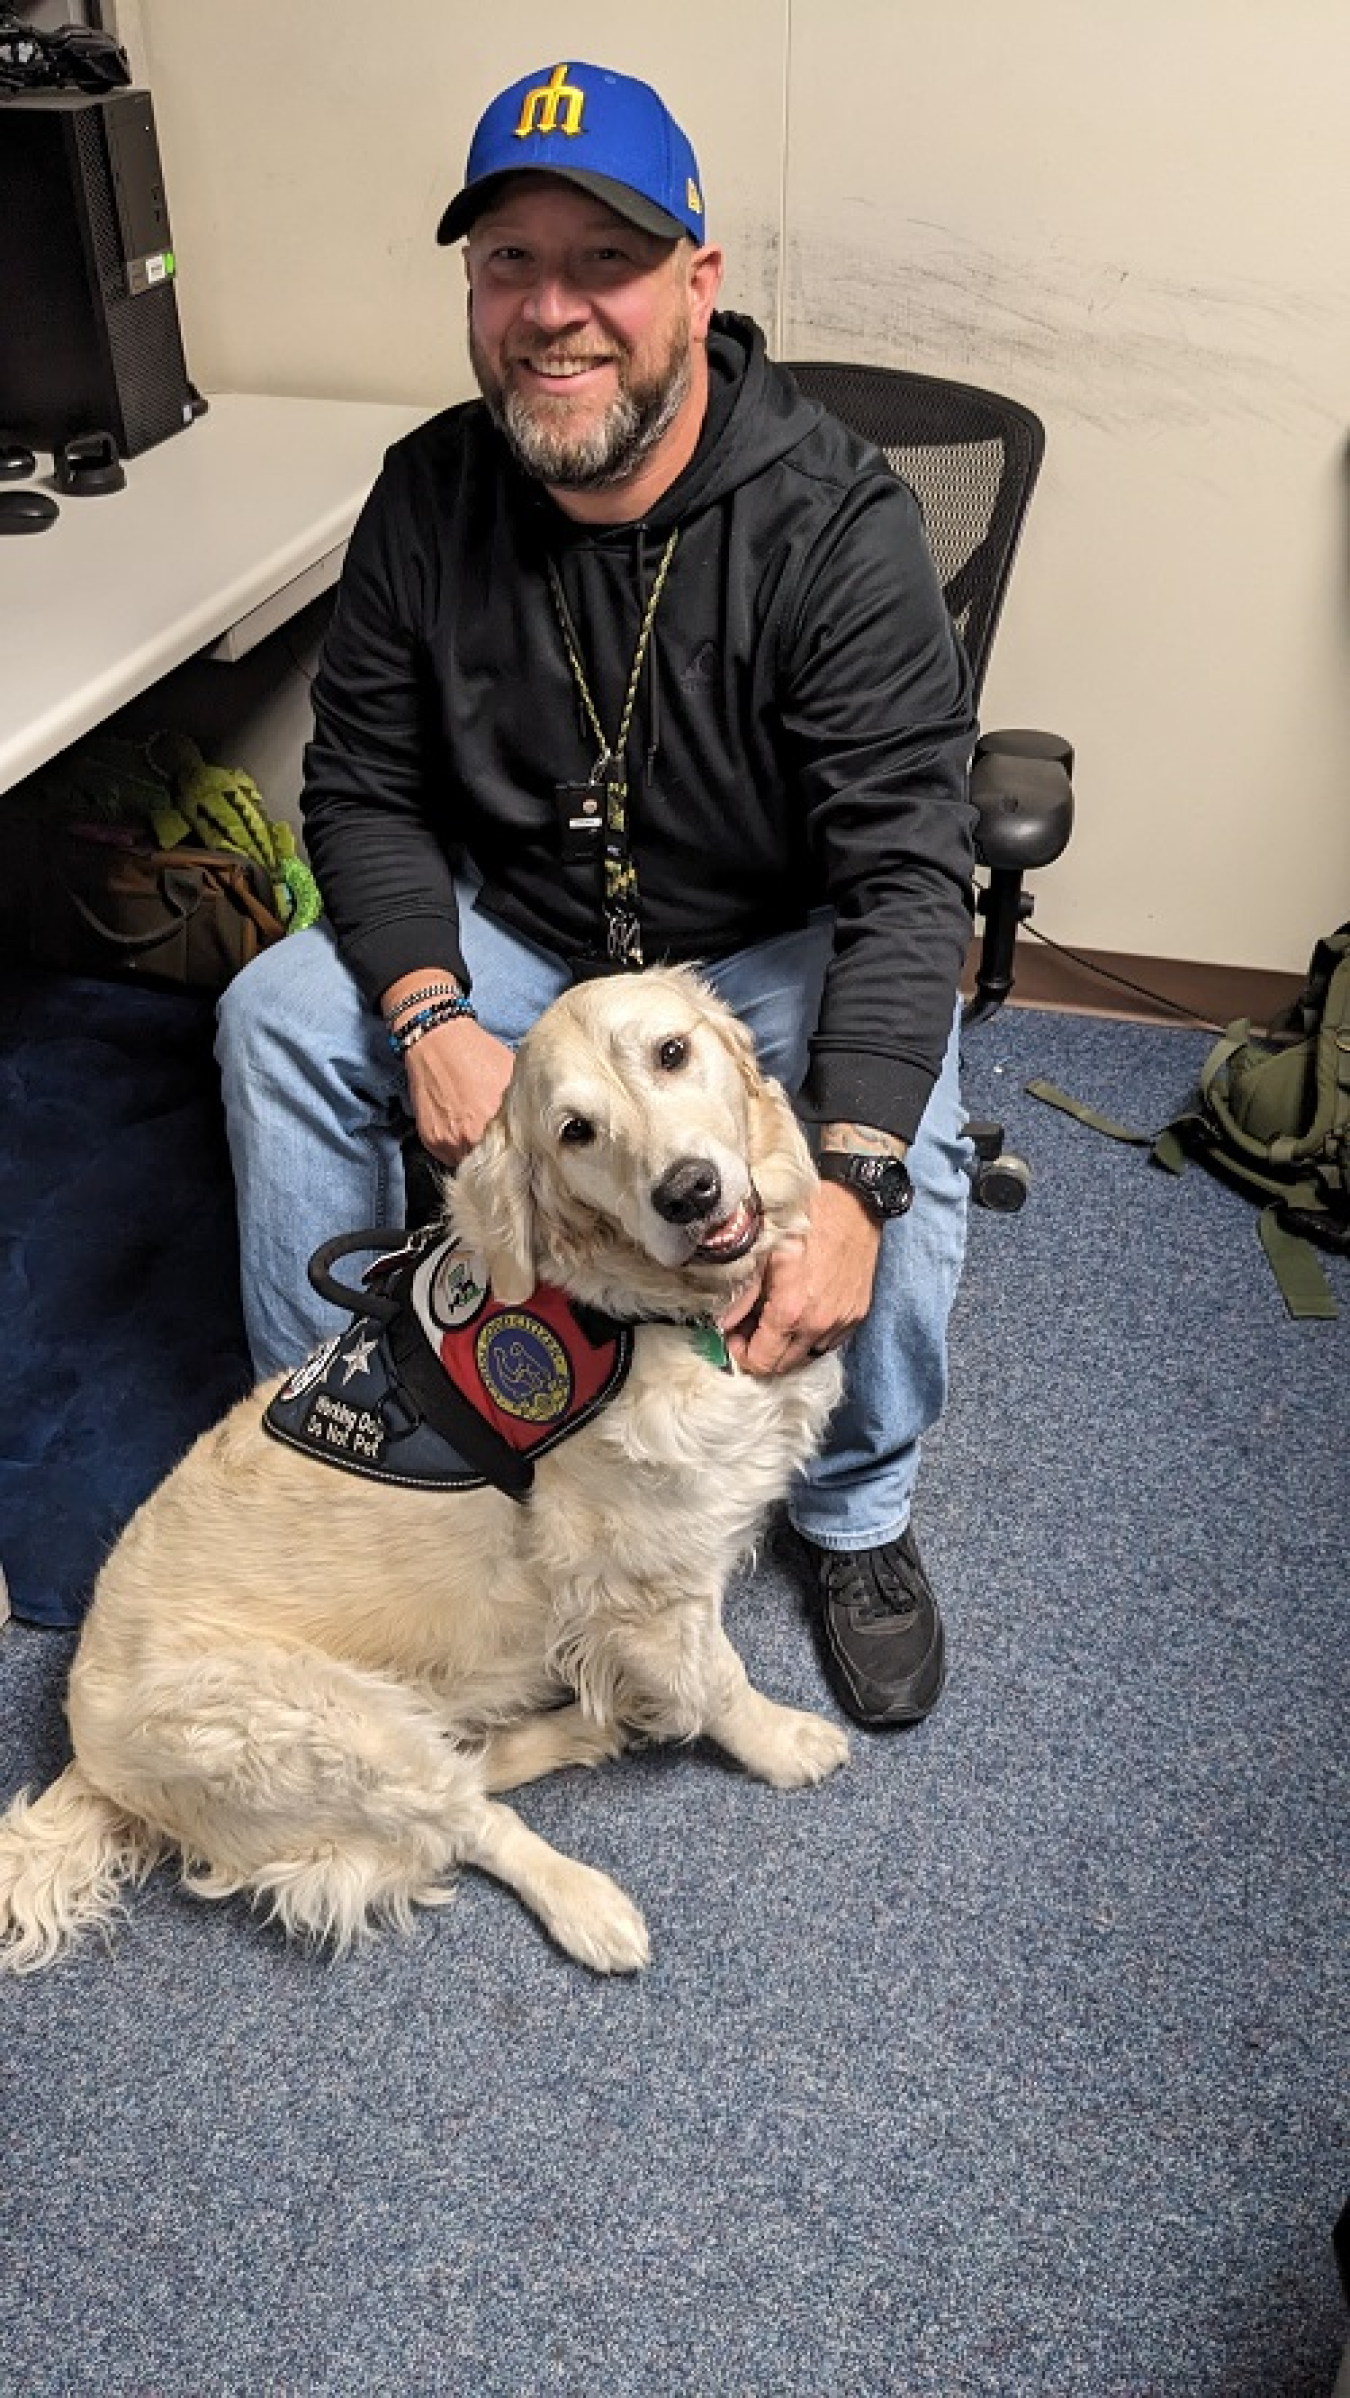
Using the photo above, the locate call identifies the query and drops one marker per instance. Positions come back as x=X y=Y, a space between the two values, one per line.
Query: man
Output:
x=639 y=658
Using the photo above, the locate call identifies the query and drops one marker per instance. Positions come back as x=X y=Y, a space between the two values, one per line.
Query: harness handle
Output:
x=365 y=1302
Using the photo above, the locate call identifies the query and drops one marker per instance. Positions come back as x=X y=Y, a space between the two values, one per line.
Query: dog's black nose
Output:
x=688 y=1191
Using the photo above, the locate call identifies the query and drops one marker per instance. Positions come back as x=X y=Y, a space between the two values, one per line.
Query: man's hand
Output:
x=456 y=1077
x=814 y=1292
x=456 y=1073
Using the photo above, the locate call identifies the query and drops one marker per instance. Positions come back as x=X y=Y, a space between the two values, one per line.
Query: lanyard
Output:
x=623 y=922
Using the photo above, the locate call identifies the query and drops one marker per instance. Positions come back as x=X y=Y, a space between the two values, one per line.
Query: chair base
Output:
x=998 y=1180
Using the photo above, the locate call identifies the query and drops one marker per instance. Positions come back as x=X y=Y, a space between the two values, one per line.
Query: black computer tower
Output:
x=89 y=335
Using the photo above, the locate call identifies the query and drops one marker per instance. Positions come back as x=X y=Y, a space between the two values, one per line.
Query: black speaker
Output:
x=89 y=335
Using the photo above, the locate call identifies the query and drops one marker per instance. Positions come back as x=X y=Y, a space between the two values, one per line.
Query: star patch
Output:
x=357 y=1359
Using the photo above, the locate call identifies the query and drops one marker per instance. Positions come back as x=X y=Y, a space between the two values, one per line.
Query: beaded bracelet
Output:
x=441 y=990
x=444 y=1011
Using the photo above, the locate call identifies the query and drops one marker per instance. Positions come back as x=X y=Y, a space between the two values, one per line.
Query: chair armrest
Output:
x=1020 y=784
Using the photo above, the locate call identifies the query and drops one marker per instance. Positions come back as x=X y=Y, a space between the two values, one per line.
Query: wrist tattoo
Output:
x=862 y=1140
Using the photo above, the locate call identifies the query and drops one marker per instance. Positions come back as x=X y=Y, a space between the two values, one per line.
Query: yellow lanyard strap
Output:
x=622 y=912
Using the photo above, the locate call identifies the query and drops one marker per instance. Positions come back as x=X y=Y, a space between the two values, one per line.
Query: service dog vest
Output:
x=441 y=1387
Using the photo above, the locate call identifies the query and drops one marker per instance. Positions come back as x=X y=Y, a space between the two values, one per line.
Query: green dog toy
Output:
x=220 y=808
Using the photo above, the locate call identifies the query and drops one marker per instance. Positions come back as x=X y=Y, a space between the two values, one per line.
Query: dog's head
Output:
x=640 y=1158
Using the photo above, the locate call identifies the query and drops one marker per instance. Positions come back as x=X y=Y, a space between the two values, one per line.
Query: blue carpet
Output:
x=1011 y=2062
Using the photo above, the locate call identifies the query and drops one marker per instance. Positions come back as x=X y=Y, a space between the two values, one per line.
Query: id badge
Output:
x=581 y=821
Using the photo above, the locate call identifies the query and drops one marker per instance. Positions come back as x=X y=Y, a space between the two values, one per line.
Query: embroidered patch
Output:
x=524 y=1367
x=356 y=1360
x=313 y=1369
x=338 y=1430
x=455 y=1292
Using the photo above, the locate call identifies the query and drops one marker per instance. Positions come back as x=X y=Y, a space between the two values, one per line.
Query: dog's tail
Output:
x=63 y=1859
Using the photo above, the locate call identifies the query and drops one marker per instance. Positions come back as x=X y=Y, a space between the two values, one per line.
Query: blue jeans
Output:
x=314 y=1103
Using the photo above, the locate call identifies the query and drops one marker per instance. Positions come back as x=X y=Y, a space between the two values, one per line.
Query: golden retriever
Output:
x=311 y=1685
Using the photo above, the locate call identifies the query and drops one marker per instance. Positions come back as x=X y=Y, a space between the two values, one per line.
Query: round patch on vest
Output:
x=524 y=1367
x=458 y=1288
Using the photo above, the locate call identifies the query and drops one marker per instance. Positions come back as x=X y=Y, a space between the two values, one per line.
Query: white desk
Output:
x=222 y=533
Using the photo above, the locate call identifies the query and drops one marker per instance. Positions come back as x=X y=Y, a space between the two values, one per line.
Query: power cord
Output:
x=1140 y=990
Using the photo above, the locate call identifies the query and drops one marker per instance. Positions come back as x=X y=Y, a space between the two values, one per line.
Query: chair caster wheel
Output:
x=1001 y=1183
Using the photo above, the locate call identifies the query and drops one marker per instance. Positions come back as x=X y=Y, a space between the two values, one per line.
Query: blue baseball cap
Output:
x=613 y=136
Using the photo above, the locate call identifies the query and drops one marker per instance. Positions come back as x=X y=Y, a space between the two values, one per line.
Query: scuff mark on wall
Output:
x=754 y=265
x=1107 y=345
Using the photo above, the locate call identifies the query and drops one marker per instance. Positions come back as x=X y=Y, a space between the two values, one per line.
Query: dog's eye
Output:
x=673 y=1053
x=578 y=1130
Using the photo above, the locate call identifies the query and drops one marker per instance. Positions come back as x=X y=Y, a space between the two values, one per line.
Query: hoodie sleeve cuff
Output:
x=844 y=1087
x=378 y=956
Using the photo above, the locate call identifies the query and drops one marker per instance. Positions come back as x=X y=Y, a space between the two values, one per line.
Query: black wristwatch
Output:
x=881 y=1183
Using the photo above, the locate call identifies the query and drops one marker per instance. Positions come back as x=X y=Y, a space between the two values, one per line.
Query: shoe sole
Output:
x=903 y=1722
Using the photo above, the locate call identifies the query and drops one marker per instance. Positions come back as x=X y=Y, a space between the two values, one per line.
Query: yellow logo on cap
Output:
x=693 y=197
x=546 y=102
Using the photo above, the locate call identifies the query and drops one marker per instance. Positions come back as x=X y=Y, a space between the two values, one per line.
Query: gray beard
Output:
x=631 y=428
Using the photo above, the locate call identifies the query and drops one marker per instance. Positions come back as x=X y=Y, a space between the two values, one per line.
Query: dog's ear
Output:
x=736 y=1038
x=492 y=1210
x=779 y=1156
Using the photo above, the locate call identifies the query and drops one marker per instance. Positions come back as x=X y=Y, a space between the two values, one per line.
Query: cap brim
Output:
x=468 y=205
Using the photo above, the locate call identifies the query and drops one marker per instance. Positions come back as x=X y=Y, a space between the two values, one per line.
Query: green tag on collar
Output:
x=710 y=1344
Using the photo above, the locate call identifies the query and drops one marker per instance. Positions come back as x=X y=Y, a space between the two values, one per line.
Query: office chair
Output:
x=972 y=458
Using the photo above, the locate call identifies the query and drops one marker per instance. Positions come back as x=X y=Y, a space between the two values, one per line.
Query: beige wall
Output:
x=1136 y=220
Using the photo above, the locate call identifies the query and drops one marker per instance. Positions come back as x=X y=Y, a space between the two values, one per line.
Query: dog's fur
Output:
x=310 y=1685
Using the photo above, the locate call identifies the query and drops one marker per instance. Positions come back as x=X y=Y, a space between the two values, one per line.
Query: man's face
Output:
x=581 y=331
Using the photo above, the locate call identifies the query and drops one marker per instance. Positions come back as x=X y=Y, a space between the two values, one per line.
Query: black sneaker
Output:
x=881 y=1631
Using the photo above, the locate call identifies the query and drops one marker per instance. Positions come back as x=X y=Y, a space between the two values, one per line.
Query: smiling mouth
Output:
x=737 y=1233
x=560 y=371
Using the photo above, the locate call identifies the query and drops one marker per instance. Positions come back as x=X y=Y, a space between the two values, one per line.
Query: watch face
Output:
x=881 y=1183
x=887 y=1185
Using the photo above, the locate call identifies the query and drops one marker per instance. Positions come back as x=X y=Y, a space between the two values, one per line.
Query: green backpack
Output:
x=1273 y=1116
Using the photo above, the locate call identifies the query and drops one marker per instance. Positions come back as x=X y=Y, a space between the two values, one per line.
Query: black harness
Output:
x=435 y=1385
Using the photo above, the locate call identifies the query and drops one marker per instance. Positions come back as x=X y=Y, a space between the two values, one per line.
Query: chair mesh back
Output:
x=971 y=457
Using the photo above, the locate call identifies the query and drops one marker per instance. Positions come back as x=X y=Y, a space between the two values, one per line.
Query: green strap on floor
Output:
x=1303 y=1285
x=1168 y=1151
x=1051 y=1093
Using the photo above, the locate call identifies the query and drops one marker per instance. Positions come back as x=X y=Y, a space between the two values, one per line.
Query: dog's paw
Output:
x=593 y=1919
x=805 y=1749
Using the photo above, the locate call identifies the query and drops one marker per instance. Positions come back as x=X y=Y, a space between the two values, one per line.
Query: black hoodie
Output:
x=802 y=734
